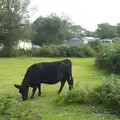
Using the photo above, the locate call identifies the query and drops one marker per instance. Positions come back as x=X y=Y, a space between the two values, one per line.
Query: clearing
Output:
x=12 y=71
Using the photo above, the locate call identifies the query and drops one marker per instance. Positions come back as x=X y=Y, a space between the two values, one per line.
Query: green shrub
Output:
x=66 y=51
x=116 y=40
x=95 y=45
x=89 y=51
x=4 y=52
x=16 y=53
x=76 y=51
x=108 y=94
x=11 y=109
x=77 y=95
x=53 y=51
x=22 y=52
x=109 y=58
x=63 y=51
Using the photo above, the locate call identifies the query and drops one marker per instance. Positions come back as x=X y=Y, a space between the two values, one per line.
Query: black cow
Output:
x=47 y=73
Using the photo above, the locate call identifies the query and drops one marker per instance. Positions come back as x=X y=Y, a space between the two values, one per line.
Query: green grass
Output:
x=12 y=71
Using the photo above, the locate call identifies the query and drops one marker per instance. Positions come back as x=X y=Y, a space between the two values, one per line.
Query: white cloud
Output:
x=87 y=13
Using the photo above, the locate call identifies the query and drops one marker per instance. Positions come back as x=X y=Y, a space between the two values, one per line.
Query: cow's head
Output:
x=23 y=91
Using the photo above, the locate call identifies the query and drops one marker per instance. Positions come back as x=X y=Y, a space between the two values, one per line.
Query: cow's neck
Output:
x=25 y=83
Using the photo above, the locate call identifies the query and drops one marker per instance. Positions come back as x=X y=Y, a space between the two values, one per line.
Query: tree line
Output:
x=15 y=26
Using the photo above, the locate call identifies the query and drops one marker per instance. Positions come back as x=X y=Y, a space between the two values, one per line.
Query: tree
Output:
x=50 y=29
x=13 y=22
x=118 y=29
x=88 y=33
x=76 y=30
x=106 y=30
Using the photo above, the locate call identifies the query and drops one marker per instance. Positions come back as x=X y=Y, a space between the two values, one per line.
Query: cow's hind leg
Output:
x=33 y=92
x=61 y=87
x=70 y=83
x=39 y=89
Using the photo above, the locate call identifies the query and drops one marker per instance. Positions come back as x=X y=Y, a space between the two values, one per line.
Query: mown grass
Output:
x=12 y=71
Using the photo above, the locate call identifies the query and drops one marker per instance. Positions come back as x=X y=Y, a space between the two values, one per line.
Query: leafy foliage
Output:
x=95 y=45
x=14 y=23
x=17 y=53
x=53 y=51
x=77 y=95
x=76 y=30
x=50 y=29
x=11 y=109
x=106 y=94
x=118 y=29
x=116 y=40
x=66 y=51
x=106 y=30
x=109 y=58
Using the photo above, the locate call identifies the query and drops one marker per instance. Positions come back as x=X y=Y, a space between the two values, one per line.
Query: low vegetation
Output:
x=88 y=91
x=11 y=109
x=46 y=107
x=106 y=94
x=109 y=58
x=54 y=51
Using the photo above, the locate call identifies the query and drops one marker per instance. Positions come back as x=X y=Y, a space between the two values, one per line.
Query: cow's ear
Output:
x=17 y=86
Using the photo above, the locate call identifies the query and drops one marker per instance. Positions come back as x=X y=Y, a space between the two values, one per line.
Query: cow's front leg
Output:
x=61 y=87
x=33 y=92
x=39 y=89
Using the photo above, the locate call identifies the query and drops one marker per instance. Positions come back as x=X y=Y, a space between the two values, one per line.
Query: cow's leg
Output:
x=61 y=87
x=39 y=89
x=70 y=82
x=33 y=92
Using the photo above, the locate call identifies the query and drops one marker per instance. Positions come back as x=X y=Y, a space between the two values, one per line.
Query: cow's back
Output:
x=44 y=72
x=51 y=72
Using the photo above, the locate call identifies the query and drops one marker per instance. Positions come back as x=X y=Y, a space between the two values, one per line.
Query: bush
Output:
x=77 y=95
x=19 y=52
x=89 y=51
x=109 y=58
x=66 y=51
x=106 y=94
x=76 y=51
x=11 y=109
x=5 y=53
x=95 y=45
x=53 y=51
x=116 y=40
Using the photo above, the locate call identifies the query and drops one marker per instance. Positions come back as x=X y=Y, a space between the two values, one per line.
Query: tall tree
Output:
x=13 y=22
x=106 y=30
x=89 y=33
x=50 y=29
x=118 y=29
x=76 y=30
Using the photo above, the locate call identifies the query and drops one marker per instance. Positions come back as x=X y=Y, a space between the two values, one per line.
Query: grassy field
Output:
x=12 y=71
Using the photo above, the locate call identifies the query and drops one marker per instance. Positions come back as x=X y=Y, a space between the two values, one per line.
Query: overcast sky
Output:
x=87 y=13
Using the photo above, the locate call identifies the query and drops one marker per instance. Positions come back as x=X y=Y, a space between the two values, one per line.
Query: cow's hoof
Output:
x=39 y=94
x=58 y=92
x=31 y=97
